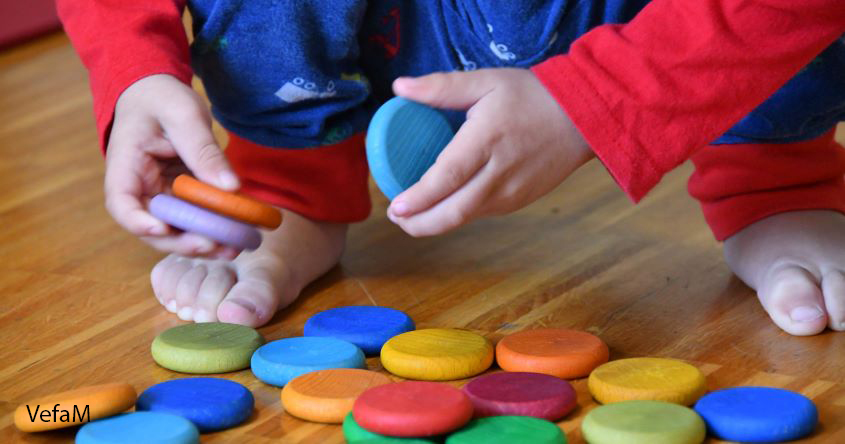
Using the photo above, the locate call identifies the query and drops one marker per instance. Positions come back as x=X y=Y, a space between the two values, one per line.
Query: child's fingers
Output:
x=123 y=202
x=465 y=154
x=460 y=207
x=193 y=141
x=185 y=244
x=454 y=90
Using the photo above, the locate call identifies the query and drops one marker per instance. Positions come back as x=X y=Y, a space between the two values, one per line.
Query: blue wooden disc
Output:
x=757 y=414
x=210 y=403
x=366 y=326
x=278 y=362
x=403 y=141
x=160 y=428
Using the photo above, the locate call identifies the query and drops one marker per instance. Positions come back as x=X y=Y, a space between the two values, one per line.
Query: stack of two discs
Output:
x=225 y=217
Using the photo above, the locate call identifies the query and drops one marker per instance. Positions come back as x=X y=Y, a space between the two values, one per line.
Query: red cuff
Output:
x=738 y=185
x=327 y=183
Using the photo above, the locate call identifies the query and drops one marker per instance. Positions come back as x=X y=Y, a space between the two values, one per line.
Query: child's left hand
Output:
x=516 y=145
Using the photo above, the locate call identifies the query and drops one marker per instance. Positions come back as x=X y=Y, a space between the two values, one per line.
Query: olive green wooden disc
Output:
x=643 y=422
x=355 y=434
x=212 y=347
x=508 y=430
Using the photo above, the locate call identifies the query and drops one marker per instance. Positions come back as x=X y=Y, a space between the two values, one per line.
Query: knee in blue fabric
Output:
x=809 y=105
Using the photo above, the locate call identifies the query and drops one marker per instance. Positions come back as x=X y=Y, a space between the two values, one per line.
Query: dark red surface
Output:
x=412 y=408
x=23 y=19
x=521 y=394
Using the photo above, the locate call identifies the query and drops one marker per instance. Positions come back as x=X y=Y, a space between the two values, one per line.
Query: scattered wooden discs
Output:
x=236 y=206
x=412 y=409
x=521 y=394
x=566 y=354
x=328 y=395
x=437 y=354
x=643 y=422
x=656 y=379
x=138 y=427
x=74 y=407
x=507 y=430
x=212 y=347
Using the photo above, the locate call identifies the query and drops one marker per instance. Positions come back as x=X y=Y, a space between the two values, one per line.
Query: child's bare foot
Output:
x=249 y=289
x=796 y=262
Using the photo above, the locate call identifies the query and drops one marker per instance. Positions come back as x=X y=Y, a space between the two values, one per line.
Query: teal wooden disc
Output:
x=508 y=430
x=355 y=434
x=213 y=347
x=643 y=422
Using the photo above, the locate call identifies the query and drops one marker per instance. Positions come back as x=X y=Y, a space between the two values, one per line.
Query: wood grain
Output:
x=76 y=306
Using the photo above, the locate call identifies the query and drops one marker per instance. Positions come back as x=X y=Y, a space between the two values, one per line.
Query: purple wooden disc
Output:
x=521 y=394
x=198 y=220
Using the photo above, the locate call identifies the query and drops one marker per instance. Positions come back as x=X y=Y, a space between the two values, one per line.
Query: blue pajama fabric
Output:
x=305 y=73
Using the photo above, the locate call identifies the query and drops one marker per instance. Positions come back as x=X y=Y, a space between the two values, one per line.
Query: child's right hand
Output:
x=162 y=128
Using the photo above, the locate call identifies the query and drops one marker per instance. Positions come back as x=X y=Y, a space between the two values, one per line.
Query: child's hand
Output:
x=161 y=128
x=516 y=145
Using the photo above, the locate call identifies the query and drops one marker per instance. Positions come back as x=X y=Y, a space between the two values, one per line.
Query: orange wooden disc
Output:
x=558 y=352
x=328 y=395
x=236 y=206
x=74 y=407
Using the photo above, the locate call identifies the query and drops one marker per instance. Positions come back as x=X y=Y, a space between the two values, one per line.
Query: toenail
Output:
x=805 y=314
x=203 y=316
x=249 y=306
x=186 y=313
x=171 y=306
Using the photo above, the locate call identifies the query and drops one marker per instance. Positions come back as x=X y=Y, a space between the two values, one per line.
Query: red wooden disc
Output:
x=521 y=394
x=412 y=408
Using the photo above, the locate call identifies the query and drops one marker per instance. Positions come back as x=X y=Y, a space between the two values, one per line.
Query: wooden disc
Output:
x=412 y=409
x=643 y=422
x=212 y=347
x=210 y=403
x=508 y=430
x=366 y=326
x=328 y=395
x=656 y=379
x=278 y=362
x=146 y=427
x=563 y=353
x=74 y=407
x=437 y=354
x=521 y=394
x=355 y=434
x=236 y=206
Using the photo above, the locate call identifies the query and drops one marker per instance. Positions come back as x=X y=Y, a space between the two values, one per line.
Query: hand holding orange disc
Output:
x=234 y=205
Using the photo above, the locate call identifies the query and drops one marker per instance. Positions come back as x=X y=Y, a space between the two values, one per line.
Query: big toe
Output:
x=794 y=301
x=250 y=303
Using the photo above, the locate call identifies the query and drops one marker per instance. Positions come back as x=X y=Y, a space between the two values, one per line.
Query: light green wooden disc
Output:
x=212 y=347
x=643 y=422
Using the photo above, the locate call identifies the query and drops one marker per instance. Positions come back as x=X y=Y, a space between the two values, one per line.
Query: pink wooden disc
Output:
x=412 y=408
x=521 y=394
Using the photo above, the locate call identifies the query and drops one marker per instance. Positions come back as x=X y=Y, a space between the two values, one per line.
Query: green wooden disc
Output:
x=212 y=347
x=356 y=434
x=508 y=430
x=643 y=422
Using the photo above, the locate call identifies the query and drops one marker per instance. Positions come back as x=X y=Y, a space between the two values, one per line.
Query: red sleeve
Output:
x=648 y=94
x=123 y=41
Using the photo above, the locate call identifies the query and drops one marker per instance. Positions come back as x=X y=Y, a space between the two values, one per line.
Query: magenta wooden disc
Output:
x=412 y=408
x=521 y=394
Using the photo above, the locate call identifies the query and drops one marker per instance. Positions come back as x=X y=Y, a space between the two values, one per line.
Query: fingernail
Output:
x=203 y=246
x=186 y=314
x=399 y=208
x=171 y=306
x=805 y=314
x=157 y=230
x=228 y=180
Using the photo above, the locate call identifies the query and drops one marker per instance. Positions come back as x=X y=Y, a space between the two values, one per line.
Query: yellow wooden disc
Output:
x=437 y=354
x=655 y=379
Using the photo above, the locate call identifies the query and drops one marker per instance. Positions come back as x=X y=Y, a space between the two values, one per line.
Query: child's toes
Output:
x=164 y=279
x=188 y=289
x=214 y=288
x=250 y=303
x=833 y=287
x=794 y=301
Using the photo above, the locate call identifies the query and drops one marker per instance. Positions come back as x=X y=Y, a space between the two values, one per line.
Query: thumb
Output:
x=195 y=144
x=451 y=90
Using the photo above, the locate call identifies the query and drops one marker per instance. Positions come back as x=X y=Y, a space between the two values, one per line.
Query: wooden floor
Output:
x=76 y=306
